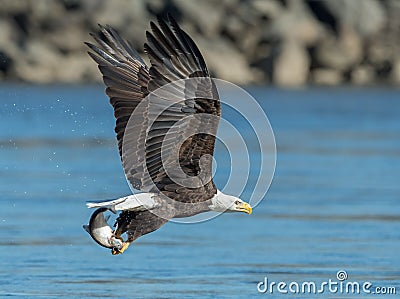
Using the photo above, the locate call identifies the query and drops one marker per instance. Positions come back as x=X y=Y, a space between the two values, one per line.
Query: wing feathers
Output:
x=173 y=56
x=126 y=77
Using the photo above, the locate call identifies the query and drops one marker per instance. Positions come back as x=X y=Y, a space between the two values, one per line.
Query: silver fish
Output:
x=101 y=232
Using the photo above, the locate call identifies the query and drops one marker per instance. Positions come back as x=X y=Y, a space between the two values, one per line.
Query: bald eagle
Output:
x=188 y=126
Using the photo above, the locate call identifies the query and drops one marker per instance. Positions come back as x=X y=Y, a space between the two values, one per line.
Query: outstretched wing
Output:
x=126 y=77
x=173 y=56
x=190 y=107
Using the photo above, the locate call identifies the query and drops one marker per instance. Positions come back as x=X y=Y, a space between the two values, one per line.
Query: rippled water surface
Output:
x=334 y=203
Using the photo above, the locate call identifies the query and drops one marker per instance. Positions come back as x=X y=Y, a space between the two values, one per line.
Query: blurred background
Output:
x=281 y=42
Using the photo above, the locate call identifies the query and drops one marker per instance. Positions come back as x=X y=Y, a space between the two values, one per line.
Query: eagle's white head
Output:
x=227 y=203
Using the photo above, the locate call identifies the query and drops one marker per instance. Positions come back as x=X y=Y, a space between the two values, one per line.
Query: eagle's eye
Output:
x=237 y=202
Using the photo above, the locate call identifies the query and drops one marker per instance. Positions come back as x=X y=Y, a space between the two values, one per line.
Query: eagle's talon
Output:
x=124 y=247
x=117 y=232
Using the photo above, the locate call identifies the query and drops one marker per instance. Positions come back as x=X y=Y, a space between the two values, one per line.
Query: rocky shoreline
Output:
x=281 y=42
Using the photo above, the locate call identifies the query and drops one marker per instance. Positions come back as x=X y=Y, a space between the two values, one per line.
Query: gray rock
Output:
x=295 y=23
x=12 y=7
x=326 y=77
x=40 y=63
x=289 y=41
x=9 y=53
x=339 y=53
x=67 y=39
x=395 y=75
x=77 y=68
x=269 y=9
x=363 y=75
x=130 y=18
x=210 y=22
x=380 y=50
x=226 y=63
x=366 y=16
x=291 y=67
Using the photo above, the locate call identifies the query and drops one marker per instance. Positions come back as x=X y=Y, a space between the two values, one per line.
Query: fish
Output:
x=101 y=232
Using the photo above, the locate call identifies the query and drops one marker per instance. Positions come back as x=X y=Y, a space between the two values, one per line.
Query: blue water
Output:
x=334 y=203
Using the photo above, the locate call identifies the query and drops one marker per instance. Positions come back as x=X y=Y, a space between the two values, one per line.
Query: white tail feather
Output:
x=139 y=201
x=105 y=203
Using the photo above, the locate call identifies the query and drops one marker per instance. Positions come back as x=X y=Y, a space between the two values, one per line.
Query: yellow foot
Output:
x=116 y=251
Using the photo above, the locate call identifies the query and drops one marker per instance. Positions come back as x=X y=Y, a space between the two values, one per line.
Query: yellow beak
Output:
x=245 y=207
